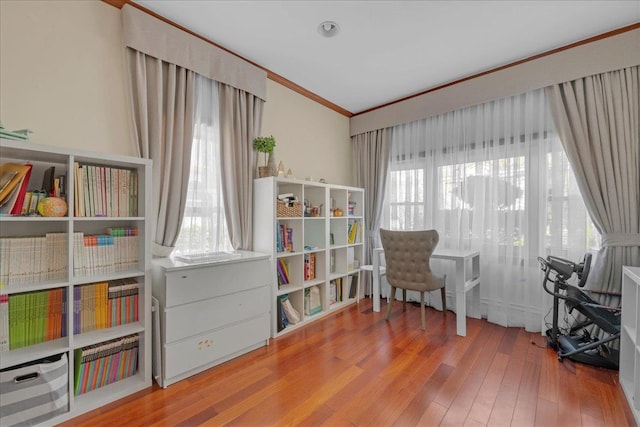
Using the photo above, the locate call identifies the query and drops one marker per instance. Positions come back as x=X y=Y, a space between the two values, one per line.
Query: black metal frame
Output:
x=573 y=345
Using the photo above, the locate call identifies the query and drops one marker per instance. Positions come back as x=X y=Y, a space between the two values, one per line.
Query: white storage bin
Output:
x=31 y=394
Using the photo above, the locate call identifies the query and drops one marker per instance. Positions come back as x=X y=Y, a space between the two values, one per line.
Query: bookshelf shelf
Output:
x=110 y=220
x=109 y=393
x=30 y=287
x=286 y=289
x=324 y=236
x=51 y=273
x=33 y=219
x=100 y=335
x=34 y=352
x=82 y=280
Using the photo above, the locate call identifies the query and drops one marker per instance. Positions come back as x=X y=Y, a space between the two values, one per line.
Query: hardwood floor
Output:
x=355 y=369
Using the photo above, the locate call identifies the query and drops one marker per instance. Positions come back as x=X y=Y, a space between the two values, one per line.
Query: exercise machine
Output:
x=576 y=342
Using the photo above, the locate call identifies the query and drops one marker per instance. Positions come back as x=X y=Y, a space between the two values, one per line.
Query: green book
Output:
x=77 y=366
x=16 y=321
x=13 y=334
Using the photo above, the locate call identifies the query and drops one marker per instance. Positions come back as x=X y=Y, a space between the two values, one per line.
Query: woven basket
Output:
x=283 y=210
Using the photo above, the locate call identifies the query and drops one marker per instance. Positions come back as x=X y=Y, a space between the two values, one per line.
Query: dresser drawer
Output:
x=193 y=319
x=195 y=284
x=183 y=356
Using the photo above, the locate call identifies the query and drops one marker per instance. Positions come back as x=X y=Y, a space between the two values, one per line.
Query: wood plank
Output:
x=424 y=397
x=502 y=413
x=487 y=395
x=473 y=380
x=355 y=369
x=524 y=412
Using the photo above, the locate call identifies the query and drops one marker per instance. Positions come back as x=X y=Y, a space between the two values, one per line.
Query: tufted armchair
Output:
x=407 y=254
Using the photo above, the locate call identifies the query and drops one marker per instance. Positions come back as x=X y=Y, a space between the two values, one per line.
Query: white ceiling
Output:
x=387 y=50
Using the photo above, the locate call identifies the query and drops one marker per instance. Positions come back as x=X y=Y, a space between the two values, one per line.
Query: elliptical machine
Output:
x=576 y=343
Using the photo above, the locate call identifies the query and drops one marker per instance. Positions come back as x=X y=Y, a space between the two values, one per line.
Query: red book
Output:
x=17 y=205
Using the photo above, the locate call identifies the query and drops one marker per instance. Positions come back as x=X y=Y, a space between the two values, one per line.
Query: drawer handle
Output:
x=27 y=377
x=183 y=277
x=204 y=343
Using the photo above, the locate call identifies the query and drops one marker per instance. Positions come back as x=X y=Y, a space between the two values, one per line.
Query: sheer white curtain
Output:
x=204 y=228
x=491 y=177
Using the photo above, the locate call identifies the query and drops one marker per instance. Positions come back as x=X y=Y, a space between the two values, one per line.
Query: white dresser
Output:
x=209 y=312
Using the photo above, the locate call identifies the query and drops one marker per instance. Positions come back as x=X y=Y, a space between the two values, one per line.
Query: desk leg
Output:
x=375 y=278
x=461 y=299
x=475 y=274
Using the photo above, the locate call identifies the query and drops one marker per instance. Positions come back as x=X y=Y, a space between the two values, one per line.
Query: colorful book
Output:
x=105 y=363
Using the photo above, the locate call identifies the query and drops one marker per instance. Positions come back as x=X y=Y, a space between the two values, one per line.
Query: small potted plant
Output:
x=266 y=144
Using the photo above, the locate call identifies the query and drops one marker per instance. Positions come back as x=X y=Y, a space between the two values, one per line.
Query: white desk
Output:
x=463 y=283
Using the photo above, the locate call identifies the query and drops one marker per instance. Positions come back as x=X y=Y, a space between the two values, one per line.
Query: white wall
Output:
x=311 y=139
x=62 y=75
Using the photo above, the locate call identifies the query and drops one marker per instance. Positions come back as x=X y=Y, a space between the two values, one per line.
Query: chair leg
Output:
x=404 y=300
x=443 y=293
x=392 y=296
x=422 y=310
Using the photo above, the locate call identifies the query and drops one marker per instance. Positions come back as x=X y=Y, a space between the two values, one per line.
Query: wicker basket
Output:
x=283 y=210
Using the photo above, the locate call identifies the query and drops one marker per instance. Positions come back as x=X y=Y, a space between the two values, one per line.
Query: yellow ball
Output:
x=52 y=206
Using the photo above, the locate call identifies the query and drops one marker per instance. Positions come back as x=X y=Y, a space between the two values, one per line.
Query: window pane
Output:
x=406 y=200
x=204 y=227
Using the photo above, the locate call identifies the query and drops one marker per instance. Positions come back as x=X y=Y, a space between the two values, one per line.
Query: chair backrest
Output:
x=407 y=255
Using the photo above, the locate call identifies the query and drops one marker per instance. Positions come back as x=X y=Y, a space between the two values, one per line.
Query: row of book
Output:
x=105 y=363
x=34 y=259
x=115 y=251
x=286 y=313
x=30 y=203
x=309 y=266
x=353 y=232
x=105 y=305
x=26 y=260
x=284 y=238
x=105 y=191
x=282 y=267
x=4 y=322
x=338 y=286
x=20 y=196
x=14 y=181
x=32 y=317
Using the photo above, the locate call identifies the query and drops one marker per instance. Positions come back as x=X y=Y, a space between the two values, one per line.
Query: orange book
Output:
x=118 y=302
x=11 y=175
x=127 y=313
x=48 y=326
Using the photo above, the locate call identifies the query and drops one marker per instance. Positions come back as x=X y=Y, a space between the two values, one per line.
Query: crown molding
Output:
x=304 y=92
x=511 y=64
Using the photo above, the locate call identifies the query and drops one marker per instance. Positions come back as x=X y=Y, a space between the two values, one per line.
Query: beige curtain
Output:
x=162 y=102
x=370 y=163
x=240 y=123
x=598 y=120
x=164 y=41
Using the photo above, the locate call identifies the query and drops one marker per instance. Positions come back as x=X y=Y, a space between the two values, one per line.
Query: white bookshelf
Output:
x=324 y=236
x=630 y=338
x=64 y=160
